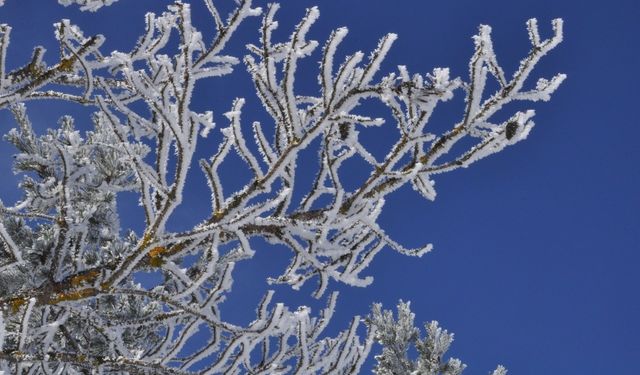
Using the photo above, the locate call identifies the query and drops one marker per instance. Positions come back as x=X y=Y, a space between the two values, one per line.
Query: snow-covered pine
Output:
x=90 y=5
x=68 y=299
x=398 y=336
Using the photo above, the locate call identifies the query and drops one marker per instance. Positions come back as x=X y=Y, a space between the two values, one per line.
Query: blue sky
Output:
x=536 y=248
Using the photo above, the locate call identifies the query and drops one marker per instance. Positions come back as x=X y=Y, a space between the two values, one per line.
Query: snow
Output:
x=73 y=179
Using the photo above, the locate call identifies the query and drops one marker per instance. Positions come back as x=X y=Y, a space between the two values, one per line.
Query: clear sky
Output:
x=537 y=248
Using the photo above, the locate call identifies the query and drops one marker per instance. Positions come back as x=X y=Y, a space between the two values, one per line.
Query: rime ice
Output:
x=67 y=288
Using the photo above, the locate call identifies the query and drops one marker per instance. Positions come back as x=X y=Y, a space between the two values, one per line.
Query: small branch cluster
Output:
x=398 y=335
x=90 y=5
x=68 y=297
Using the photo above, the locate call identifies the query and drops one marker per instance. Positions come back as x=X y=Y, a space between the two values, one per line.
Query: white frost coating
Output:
x=8 y=241
x=440 y=78
x=24 y=324
x=87 y=265
x=90 y=5
x=241 y=146
x=330 y=48
x=425 y=186
x=3 y=330
x=402 y=341
x=485 y=46
x=377 y=57
x=52 y=329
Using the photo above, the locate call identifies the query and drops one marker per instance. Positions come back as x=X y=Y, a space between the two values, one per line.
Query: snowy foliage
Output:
x=90 y=5
x=67 y=291
x=397 y=336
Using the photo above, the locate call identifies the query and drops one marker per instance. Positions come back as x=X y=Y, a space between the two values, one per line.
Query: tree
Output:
x=69 y=300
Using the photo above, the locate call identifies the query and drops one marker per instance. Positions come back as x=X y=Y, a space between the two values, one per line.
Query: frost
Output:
x=69 y=293
x=90 y=5
x=398 y=336
x=3 y=331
